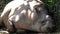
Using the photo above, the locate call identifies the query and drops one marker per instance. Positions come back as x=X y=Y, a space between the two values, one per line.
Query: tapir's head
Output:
x=45 y=21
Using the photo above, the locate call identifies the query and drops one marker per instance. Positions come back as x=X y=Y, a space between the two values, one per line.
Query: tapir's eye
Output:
x=43 y=22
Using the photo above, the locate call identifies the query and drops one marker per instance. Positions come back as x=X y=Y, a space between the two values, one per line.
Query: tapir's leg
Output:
x=7 y=23
x=10 y=26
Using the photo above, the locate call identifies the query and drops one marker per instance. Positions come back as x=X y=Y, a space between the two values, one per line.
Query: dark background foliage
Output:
x=53 y=6
x=3 y=3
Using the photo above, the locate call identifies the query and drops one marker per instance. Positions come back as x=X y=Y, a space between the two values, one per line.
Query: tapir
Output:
x=27 y=14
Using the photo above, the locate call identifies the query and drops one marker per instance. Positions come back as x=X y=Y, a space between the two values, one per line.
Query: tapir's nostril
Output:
x=43 y=22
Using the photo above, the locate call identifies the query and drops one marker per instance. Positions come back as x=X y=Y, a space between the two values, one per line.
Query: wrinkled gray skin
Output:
x=28 y=14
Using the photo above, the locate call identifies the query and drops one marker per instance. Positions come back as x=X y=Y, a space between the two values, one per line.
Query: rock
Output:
x=4 y=32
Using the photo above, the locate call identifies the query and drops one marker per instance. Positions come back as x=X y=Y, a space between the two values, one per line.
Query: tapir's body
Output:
x=30 y=15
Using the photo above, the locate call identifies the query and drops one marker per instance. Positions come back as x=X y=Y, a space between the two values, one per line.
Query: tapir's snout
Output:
x=45 y=25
